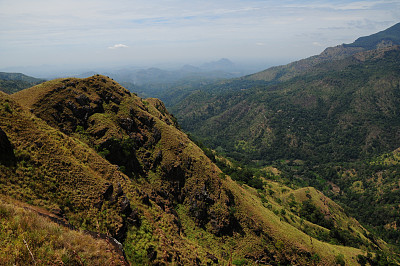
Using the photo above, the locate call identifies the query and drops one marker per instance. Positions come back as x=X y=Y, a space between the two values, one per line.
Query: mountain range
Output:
x=90 y=173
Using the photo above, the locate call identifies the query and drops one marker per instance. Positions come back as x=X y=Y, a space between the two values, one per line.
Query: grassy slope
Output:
x=29 y=238
x=187 y=212
x=56 y=171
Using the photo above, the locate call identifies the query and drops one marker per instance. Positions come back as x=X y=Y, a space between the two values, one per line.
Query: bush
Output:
x=339 y=259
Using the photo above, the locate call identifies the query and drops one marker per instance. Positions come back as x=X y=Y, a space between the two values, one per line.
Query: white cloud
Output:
x=317 y=44
x=118 y=46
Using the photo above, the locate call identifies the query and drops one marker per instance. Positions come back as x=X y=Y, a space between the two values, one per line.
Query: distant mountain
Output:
x=223 y=64
x=385 y=38
x=13 y=82
x=190 y=68
x=92 y=156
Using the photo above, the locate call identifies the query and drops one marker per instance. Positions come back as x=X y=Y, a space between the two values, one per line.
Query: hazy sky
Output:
x=100 y=32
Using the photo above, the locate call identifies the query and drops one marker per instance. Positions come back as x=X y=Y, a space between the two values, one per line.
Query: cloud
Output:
x=118 y=46
x=32 y=32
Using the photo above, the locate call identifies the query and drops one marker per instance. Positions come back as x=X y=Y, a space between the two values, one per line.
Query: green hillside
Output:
x=13 y=82
x=106 y=161
x=312 y=127
x=338 y=115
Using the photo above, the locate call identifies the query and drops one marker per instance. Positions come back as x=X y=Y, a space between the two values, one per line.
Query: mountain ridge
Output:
x=111 y=162
x=383 y=39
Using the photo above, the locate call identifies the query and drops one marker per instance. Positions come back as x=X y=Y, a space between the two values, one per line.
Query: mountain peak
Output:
x=388 y=37
x=222 y=64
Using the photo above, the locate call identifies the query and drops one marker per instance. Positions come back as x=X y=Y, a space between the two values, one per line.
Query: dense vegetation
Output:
x=324 y=121
x=336 y=116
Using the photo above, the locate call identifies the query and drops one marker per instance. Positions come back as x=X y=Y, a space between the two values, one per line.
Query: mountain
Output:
x=223 y=64
x=322 y=121
x=13 y=82
x=386 y=38
x=96 y=157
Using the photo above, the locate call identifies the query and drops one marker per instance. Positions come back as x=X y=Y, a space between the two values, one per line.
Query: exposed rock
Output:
x=128 y=124
x=7 y=156
x=82 y=99
x=212 y=258
x=108 y=191
x=146 y=200
x=151 y=253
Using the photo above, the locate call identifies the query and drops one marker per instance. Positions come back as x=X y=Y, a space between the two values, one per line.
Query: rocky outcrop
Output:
x=7 y=156
x=118 y=198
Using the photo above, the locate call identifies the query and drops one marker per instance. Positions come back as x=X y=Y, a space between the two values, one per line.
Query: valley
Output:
x=294 y=165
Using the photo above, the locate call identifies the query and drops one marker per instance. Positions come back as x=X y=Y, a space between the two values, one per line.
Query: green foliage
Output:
x=339 y=259
x=7 y=107
x=239 y=262
x=314 y=127
x=139 y=242
x=309 y=212
x=379 y=259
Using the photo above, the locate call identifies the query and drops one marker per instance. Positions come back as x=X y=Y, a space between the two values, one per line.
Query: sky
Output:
x=88 y=33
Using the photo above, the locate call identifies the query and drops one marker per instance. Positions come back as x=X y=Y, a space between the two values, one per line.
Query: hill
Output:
x=107 y=161
x=13 y=82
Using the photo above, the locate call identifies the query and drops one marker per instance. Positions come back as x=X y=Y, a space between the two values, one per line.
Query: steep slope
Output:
x=173 y=205
x=13 y=82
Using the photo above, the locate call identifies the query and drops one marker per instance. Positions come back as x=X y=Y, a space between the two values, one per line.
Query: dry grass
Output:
x=28 y=238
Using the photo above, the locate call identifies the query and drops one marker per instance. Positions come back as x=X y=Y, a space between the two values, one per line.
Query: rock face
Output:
x=7 y=156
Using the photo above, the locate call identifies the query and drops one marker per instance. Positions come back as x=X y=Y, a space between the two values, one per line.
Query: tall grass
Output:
x=29 y=239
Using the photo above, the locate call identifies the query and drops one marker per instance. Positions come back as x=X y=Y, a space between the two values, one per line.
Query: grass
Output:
x=28 y=238
x=62 y=171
